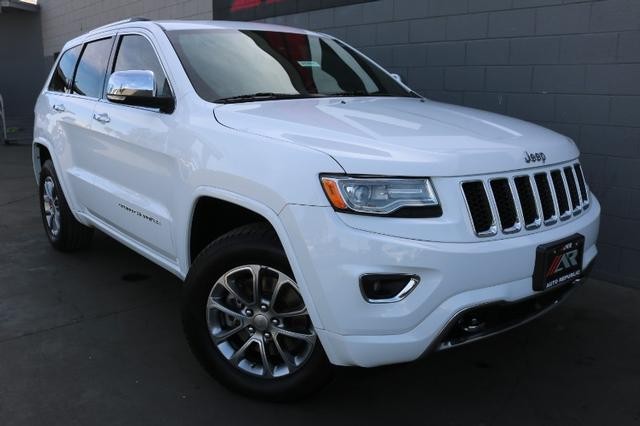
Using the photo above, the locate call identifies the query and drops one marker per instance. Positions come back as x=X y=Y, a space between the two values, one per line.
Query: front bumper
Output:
x=330 y=256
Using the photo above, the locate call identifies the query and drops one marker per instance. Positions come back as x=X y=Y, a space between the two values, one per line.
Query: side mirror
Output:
x=397 y=77
x=138 y=88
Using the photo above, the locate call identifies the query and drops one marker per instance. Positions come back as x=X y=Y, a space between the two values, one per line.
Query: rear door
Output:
x=135 y=166
x=61 y=121
x=75 y=110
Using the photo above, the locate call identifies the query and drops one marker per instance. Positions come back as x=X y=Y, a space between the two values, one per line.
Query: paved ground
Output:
x=94 y=339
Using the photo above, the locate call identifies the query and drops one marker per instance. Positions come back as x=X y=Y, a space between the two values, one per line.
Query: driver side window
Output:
x=136 y=53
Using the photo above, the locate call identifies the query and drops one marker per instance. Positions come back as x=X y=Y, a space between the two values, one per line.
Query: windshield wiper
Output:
x=351 y=93
x=355 y=93
x=261 y=96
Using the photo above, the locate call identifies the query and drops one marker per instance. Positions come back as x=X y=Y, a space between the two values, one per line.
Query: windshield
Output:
x=242 y=65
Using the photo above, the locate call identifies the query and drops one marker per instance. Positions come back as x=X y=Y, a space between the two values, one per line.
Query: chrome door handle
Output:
x=58 y=107
x=102 y=118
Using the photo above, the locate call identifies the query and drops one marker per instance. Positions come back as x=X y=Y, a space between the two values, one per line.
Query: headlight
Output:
x=382 y=196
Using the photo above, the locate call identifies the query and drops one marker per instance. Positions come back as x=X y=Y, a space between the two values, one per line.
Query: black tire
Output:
x=252 y=244
x=69 y=235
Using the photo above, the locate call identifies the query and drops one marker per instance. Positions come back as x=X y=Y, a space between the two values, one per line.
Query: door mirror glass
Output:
x=138 y=88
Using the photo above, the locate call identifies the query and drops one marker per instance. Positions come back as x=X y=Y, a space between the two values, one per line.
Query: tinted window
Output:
x=92 y=68
x=136 y=53
x=63 y=73
x=230 y=63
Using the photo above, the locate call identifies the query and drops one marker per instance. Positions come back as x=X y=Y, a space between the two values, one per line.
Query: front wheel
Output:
x=245 y=319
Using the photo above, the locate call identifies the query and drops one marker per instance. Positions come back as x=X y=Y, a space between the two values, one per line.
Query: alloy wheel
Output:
x=51 y=205
x=258 y=321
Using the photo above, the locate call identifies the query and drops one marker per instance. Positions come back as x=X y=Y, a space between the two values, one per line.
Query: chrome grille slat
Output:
x=528 y=201
x=518 y=205
x=548 y=203
x=576 y=185
x=481 y=212
x=572 y=190
x=512 y=203
x=562 y=193
x=503 y=200
x=554 y=195
x=584 y=190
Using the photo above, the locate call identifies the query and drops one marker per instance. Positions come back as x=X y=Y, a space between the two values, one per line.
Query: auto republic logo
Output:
x=564 y=261
x=534 y=157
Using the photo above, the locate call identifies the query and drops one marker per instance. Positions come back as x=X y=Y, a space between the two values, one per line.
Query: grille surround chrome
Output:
x=539 y=222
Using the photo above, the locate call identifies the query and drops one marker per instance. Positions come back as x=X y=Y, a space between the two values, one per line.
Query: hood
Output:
x=401 y=136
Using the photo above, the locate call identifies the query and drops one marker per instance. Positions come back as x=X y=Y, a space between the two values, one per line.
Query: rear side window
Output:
x=92 y=68
x=61 y=78
x=136 y=53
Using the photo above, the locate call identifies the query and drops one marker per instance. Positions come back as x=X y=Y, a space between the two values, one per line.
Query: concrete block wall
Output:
x=63 y=20
x=570 y=65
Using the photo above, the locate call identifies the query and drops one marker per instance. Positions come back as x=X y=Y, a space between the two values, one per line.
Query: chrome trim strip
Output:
x=413 y=282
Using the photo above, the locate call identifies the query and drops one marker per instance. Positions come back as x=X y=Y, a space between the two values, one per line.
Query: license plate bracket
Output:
x=558 y=262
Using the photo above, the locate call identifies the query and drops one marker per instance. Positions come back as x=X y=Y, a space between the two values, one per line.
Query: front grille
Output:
x=507 y=203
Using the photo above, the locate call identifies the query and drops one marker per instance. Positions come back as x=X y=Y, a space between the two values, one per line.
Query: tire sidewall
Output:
x=211 y=265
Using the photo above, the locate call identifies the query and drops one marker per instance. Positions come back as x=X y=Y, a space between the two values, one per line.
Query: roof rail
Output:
x=123 y=21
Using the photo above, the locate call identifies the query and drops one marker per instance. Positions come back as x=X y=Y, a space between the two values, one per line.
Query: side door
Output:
x=60 y=119
x=75 y=109
x=136 y=172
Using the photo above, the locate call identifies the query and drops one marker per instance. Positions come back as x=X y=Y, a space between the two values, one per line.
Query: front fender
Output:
x=272 y=217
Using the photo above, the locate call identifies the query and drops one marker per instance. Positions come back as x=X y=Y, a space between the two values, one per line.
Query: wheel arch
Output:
x=252 y=210
x=40 y=153
x=213 y=217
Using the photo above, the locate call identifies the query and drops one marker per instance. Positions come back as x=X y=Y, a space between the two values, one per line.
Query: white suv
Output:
x=319 y=210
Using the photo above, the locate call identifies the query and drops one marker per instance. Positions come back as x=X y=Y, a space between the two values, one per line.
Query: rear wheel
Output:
x=63 y=230
x=246 y=321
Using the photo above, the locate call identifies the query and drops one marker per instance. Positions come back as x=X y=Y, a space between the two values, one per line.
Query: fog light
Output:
x=387 y=288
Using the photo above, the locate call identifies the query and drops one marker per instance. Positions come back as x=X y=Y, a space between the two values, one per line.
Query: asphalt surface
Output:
x=94 y=338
